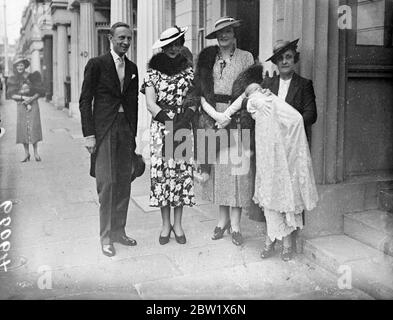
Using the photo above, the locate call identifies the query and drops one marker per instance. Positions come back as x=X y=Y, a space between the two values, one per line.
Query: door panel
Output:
x=368 y=129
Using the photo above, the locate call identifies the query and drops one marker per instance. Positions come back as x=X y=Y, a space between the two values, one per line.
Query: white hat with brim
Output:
x=21 y=60
x=168 y=36
x=223 y=23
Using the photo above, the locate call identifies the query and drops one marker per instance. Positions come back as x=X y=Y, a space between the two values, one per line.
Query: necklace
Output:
x=223 y=62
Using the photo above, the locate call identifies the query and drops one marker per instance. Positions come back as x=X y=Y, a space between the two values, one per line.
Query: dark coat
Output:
x=301 y=96
x=101 y=98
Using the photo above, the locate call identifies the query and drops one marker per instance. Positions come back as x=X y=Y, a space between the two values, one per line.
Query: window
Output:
x=374 y=23
x=103 y=41
x=173 y=12
x=134 y=27
x=201 y=24
x=223 y=8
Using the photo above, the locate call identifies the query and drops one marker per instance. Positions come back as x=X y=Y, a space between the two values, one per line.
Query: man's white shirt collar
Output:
x=116 y=57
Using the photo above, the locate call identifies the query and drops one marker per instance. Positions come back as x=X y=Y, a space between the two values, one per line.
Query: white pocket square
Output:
x=133 y=76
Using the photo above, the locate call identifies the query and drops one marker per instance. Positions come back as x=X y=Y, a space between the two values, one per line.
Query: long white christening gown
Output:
x=284 y=182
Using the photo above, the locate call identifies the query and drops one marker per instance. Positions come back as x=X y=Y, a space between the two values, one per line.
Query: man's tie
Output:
x=120 y=67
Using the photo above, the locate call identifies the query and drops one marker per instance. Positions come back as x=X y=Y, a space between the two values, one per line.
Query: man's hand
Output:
x=90 y=144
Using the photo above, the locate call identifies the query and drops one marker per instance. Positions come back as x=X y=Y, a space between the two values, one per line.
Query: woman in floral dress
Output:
x=166 y=84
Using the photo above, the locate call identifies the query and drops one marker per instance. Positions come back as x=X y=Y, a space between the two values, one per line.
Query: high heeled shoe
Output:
x=268 y=250
x=164 y=240
x=218 y=232
x=26 y=159
x=237 y=238
x=179 y=239
x=286 y=253
x=37 y=158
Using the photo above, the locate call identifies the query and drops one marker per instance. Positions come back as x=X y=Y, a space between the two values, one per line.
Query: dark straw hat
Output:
x=281 y=47
x=222 y=23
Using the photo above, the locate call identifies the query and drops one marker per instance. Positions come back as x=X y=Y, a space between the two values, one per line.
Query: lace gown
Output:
x=171 y=180
x=284 y=182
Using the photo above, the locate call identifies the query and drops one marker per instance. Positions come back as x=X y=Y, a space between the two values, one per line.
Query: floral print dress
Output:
x=172 y=181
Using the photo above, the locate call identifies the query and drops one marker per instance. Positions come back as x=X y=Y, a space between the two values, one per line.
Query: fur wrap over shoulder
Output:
x=161 y=62
x=204 y=86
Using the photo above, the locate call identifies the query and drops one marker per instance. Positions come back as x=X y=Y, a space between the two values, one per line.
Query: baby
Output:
x=257 y=98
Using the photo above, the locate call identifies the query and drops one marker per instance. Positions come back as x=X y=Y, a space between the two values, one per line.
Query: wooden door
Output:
x=368 y=128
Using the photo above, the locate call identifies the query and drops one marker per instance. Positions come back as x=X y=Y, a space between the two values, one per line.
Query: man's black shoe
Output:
x=126 y=241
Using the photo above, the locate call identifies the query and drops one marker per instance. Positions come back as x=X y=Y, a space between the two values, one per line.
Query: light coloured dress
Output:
x=172 y=181
x=231 y=184
x=284 y=182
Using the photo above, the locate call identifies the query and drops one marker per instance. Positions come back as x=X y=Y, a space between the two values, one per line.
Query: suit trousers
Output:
x=113 y=177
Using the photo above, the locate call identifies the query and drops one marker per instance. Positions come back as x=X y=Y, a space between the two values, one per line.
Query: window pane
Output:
x=173 y=12
x=202 y=6
x=370 y=22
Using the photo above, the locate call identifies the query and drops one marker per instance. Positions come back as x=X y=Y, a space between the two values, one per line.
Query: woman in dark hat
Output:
x=25 y=89
x=217 y=69
x=167 y=81
x=299 y=93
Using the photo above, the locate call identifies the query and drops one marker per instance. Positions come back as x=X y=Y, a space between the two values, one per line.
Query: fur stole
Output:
x=204 y=82
x=204 y=86
x=161 y=62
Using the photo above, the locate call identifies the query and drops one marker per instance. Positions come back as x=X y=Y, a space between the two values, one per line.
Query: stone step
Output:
x=374 y=228
x=355 y=264
x=385 y=200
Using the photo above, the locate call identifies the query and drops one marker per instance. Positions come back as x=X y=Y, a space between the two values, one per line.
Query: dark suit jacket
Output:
x=101 y=97
x=301 y=96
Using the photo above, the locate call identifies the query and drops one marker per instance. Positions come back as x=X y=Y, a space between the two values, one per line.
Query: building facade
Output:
x=346 y=49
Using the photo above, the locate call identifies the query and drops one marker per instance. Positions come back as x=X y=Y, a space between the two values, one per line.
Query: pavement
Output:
x=55 y=250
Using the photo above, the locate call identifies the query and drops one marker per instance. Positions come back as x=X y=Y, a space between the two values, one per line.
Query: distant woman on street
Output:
x=168 y=79
x=25 y=89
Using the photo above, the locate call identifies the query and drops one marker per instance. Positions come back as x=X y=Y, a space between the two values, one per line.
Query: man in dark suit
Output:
x=109 y=110
x=299 y=93
x=295 y=90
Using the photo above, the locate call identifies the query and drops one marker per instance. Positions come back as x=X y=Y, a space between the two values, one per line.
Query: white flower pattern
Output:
x=171 y=181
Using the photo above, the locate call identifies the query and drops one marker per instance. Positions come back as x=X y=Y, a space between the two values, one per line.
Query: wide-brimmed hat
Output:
x=137 y=166
x=169 y=35
x=281 y=47
x=222 y=23
x=21 y=59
